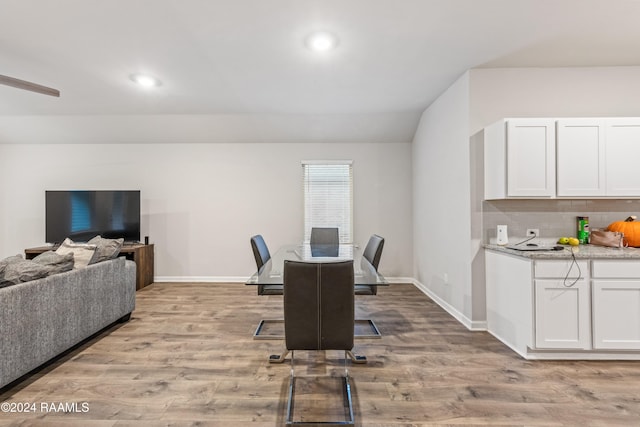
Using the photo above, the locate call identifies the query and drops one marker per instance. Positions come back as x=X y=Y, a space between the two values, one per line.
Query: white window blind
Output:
x=328 y=197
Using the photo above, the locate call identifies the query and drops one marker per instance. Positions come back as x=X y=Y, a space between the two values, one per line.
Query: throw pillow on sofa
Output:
x=23 y=271
x=56 y=263
x=3 y=265
x=82 y=252
x=9 y=260
x=106 y=249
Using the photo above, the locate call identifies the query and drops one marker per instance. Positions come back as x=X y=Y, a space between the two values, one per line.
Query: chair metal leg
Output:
x=354 y=358
x=278 y=358
x=292 y=386
x=347 y=400
x=347 y=386
x=258 y=335
x=375 y=332
x=349 y=354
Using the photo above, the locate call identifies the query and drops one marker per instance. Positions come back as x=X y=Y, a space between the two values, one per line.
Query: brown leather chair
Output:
x=372 y=253
x=318 y=305
x=318 y=315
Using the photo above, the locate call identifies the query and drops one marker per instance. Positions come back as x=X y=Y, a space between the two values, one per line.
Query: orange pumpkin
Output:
x=630 y=228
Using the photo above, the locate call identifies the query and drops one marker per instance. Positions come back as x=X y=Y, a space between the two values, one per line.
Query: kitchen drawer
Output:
x=558 y=269
x=616 y=268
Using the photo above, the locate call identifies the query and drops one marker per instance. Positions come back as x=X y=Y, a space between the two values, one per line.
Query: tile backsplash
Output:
x=554 y=217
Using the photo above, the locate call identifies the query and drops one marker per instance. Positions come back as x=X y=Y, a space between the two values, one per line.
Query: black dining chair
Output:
x=262 y=255
x=324 y=236
x=319 y=315
x=372 y=253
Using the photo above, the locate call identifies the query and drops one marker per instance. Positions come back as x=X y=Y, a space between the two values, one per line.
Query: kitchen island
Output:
x=564 y=305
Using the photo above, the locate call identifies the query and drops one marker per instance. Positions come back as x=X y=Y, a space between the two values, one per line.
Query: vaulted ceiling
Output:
x=239 y=70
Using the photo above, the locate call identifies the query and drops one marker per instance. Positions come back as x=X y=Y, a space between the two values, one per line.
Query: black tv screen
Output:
x=82 y=215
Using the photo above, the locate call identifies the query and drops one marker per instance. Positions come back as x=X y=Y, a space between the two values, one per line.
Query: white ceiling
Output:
x=244 y=61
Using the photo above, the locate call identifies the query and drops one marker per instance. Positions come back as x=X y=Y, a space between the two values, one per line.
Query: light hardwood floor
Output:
x=187 y=357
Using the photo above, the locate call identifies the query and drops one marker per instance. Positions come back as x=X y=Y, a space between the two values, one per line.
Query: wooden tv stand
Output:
x=141 y=254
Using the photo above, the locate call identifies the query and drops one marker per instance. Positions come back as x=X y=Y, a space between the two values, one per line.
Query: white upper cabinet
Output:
x=567 y=157
x=495 y=161
x=520 y=158
x=580 y=151
x=623 y=157
x=531 y=158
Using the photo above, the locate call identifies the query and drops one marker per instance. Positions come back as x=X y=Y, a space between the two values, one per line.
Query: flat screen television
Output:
x=81 y=215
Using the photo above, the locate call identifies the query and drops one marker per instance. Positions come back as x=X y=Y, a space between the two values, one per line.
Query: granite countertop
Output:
x=581 y=252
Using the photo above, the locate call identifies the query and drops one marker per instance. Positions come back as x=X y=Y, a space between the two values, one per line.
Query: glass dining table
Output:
x=272 y=274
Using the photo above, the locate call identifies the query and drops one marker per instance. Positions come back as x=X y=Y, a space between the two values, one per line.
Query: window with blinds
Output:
x=328 y=197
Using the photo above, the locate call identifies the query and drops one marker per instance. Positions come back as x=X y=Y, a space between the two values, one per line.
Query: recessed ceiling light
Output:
x=145 y=80
x=322 y=41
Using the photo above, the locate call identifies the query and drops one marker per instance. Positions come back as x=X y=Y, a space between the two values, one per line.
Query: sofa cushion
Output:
x=56 y=263
x=22 y=271
x=82 y=252
x=106 y=249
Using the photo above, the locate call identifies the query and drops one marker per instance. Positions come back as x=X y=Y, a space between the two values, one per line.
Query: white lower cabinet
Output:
x=616 y=305
x=548 y=309
x=509 y=300
x=562 y=304
x=562 y=314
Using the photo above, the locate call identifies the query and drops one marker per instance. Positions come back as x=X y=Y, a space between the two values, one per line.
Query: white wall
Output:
x=443 y=158
x=441 y=200
x=497 y=93
x=537 y=92
x=202 y=202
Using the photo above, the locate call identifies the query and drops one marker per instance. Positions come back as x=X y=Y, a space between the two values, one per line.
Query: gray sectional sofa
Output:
x=40 y=319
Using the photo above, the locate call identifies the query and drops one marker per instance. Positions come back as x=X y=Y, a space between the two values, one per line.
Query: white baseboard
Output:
x=478 y=325
x=200 y=279
x=241 y=279
x=399 y=280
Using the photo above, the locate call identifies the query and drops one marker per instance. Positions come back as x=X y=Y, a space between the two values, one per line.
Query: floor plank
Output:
x=187 y=357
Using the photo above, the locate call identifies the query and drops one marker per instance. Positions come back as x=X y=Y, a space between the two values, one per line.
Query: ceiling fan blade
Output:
x=23 y=84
